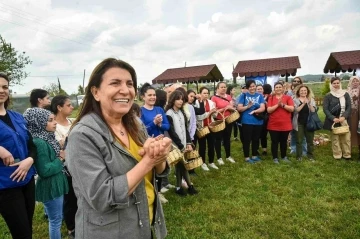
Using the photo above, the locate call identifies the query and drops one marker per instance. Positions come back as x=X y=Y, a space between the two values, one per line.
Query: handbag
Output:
x=313 y=122
x=342 y=129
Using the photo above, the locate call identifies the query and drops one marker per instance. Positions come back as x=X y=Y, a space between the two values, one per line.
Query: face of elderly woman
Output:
x=355 y=83
x=116 y=92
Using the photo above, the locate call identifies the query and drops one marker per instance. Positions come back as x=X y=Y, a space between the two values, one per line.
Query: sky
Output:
x=65 y=37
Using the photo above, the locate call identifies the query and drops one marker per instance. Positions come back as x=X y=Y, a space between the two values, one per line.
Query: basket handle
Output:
x=344 y=123
x=223 y=118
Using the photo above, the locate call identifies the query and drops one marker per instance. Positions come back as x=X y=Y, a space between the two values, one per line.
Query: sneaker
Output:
x=181 y=192
x=205 y=167
x=192 y=190
x=256 y=159
x=162 y=198
x=286 y=160
x=170 y=186
x=249 y=161
x=230 y=159
x=164 y=190
x=71 y=235
x=220 y=161
x=212 y=165
x=184 y=184
x=276 y=161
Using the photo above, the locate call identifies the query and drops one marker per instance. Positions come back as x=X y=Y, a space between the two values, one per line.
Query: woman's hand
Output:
x=6 y=156
x=341 y=119
x=188 y=148
x=336 y=120
x=21 y=172
x=62 y=155
x=156 y=151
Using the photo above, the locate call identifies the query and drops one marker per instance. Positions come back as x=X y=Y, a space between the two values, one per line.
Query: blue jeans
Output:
x=54 y=210
x=293 y=144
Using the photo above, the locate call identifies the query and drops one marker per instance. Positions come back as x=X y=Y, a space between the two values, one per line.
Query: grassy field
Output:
x=296 y=200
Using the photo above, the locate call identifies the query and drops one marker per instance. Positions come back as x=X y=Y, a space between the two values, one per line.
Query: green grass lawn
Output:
x=297 y=200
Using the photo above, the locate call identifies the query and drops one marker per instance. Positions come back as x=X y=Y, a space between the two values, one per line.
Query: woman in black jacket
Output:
x=337 y=109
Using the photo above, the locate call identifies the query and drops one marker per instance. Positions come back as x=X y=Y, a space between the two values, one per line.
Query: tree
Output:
x=326 y=87
x=81 y=90
x=13 y=62
x=53 y=90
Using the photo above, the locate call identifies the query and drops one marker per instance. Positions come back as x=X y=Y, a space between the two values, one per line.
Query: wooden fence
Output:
x=319 y=101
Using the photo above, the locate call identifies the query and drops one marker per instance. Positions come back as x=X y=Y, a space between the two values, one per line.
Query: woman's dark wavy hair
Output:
x=267 y=89
x=176 y=95
x=58 y=100
x=183 y=91
x=37 y=94
x=90 y=105
x=160 y=98
x=6 y=77
x=229 y=88
x=144 y=88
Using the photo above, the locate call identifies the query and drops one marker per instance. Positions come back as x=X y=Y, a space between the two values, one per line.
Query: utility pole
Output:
x=84 y=82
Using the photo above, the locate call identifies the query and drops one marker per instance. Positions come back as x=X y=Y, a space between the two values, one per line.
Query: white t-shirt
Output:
x=62 y=131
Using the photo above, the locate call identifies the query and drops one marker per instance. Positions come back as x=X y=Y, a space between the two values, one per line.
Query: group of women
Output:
x=108 y=166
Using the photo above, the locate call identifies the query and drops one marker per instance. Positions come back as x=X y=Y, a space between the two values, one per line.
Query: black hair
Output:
x=267 y=89
x=248 y=83
x=204 y=88
x=278 y=83
x=37 y=94
x=183 y=91
x=190 y=91
x=136 y=109
x=6 y=77
x=229 y=89
x=145 y=87
x=334 y=79
x=58 y=100
x=160 y=98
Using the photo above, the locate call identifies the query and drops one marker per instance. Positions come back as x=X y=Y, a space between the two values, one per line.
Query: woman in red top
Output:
x=223 y=104
x=279 y=108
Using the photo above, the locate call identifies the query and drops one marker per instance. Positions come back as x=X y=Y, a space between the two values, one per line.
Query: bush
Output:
x=326 y=87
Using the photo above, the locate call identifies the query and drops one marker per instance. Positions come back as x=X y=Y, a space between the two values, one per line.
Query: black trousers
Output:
x=223 y=136
x=278 y=137
x=70 y=206
x=251 y=134
x=17 y=207
x=263 y=136
x=235 y=126
x=209 y=138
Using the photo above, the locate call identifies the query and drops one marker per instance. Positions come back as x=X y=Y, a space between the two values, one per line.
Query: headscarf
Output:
x=354 y=92
x=339 y=93
x=37 y=119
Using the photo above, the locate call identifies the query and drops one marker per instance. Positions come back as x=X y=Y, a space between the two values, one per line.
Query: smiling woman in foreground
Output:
x=113 y=162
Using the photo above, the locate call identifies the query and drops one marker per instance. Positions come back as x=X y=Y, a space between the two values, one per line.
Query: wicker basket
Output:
x=232 y=117
x=202 y=132
x=217 y=125
x=189 y=155
x=175 y=156
x=343 y=129
x=321 y=139
x=194 y=163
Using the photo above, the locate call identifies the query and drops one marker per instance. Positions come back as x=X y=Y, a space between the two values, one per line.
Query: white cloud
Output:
x=226 y=34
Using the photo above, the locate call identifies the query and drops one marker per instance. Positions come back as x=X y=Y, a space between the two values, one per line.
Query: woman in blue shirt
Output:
x=251 y=105
x=17 y=154
x=152 y=116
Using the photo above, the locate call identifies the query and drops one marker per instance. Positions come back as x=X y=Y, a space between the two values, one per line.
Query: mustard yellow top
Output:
x=149 y=187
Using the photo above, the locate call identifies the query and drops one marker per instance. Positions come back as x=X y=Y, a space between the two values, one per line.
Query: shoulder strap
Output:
x=222 y=98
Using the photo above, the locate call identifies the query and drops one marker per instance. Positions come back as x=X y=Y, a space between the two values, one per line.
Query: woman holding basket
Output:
x=224 y=104
x=180 y=135
x=337 y=109
x=204 y=120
